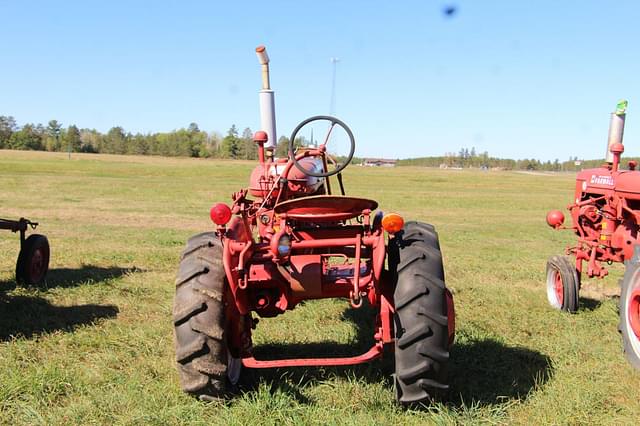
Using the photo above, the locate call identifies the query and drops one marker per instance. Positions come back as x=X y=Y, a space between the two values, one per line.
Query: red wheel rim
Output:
x=36 y=267
x=634 y=312
x=559 y=288
x=451 y=316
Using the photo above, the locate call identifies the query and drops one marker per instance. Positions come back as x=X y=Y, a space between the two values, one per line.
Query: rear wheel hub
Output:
x=559 y=288
x=634 y=312
x=37 y=265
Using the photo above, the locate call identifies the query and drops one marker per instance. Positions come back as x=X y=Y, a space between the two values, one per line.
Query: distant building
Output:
x=378 y=162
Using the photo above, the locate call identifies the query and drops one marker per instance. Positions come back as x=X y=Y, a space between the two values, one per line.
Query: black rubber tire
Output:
x=33 y=261
x=199 y=320
x=629 y=298
x=563 y=268
x=421 y=321
x=423 y=231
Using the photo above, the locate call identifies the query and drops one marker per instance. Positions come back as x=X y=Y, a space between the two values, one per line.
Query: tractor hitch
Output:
x=33 y=260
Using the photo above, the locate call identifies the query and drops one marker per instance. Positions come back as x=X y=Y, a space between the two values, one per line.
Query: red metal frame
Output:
x=295 y=241
x=370 y=355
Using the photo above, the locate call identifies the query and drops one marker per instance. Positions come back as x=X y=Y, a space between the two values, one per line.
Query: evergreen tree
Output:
x=249 y=147
x=7 y=127
x=53 y=142
x=115 y=141
x=27 y=138
x=231 y=144
x=72 y=138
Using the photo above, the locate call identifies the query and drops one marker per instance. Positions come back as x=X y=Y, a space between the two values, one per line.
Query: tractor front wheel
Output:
x=204 y=363
x=424 y=314
x=563 y=284
x=629 y=325
x=33 y=260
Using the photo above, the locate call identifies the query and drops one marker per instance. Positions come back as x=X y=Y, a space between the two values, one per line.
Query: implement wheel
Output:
x=33 y=260
x=562 y=284
x=205 y=365
x=424 y=318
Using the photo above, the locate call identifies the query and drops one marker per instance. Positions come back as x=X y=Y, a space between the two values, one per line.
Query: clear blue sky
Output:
x=517 y=79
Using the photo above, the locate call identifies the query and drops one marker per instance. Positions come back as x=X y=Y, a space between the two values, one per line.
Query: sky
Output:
x=516 y=79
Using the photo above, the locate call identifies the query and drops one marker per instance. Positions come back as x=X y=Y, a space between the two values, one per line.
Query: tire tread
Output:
x=198 y=313
x=421 y=332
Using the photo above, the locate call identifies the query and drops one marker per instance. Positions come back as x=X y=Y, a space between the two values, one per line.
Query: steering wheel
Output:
x=333 y=121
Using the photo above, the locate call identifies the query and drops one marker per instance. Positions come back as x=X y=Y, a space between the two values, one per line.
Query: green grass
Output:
x=95 y=345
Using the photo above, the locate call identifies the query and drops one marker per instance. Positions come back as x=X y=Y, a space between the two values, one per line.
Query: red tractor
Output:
x=288 y=238
x=606 y=218
x=33 y=259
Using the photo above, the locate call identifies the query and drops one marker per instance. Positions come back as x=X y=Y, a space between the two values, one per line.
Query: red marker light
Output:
x=220 y=214
x=555 y=219
x=260 y=137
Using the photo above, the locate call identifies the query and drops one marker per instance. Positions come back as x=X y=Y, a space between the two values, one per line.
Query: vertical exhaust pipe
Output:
x=267 y=103
x=616 y=128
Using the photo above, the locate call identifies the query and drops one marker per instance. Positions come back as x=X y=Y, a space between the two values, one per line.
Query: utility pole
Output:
x=332 y=107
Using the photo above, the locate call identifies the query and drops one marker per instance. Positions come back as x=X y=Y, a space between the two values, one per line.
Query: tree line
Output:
x=466 y=158
x=193 y=142
x=184 y=142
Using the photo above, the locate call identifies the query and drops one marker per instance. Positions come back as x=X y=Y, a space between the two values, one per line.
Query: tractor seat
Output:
x=325 y=208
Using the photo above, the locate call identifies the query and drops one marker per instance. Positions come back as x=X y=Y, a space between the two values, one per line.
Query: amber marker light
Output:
x=392 y=222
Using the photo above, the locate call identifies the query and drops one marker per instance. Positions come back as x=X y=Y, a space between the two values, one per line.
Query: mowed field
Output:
x=95 y=345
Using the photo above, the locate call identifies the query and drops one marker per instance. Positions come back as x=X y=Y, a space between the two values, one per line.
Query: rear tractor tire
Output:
x=205 y=366
x=33 y=261
x=563 y=284
x=424 y=315
x=629 y=325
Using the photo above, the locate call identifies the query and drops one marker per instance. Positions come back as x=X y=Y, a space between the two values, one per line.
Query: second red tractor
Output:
x=605 y=215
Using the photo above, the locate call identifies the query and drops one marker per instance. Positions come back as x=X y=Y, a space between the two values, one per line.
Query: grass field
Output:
x=94 y=346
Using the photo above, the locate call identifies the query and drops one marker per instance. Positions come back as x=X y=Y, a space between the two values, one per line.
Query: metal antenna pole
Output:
x=332 y=107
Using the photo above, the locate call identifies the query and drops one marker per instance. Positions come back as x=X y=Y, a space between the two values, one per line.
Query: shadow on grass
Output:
x=589 y=304
x=28 y=316
x=72 y=277
x=484 y=371
x=489 y=372
x=292 y=380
